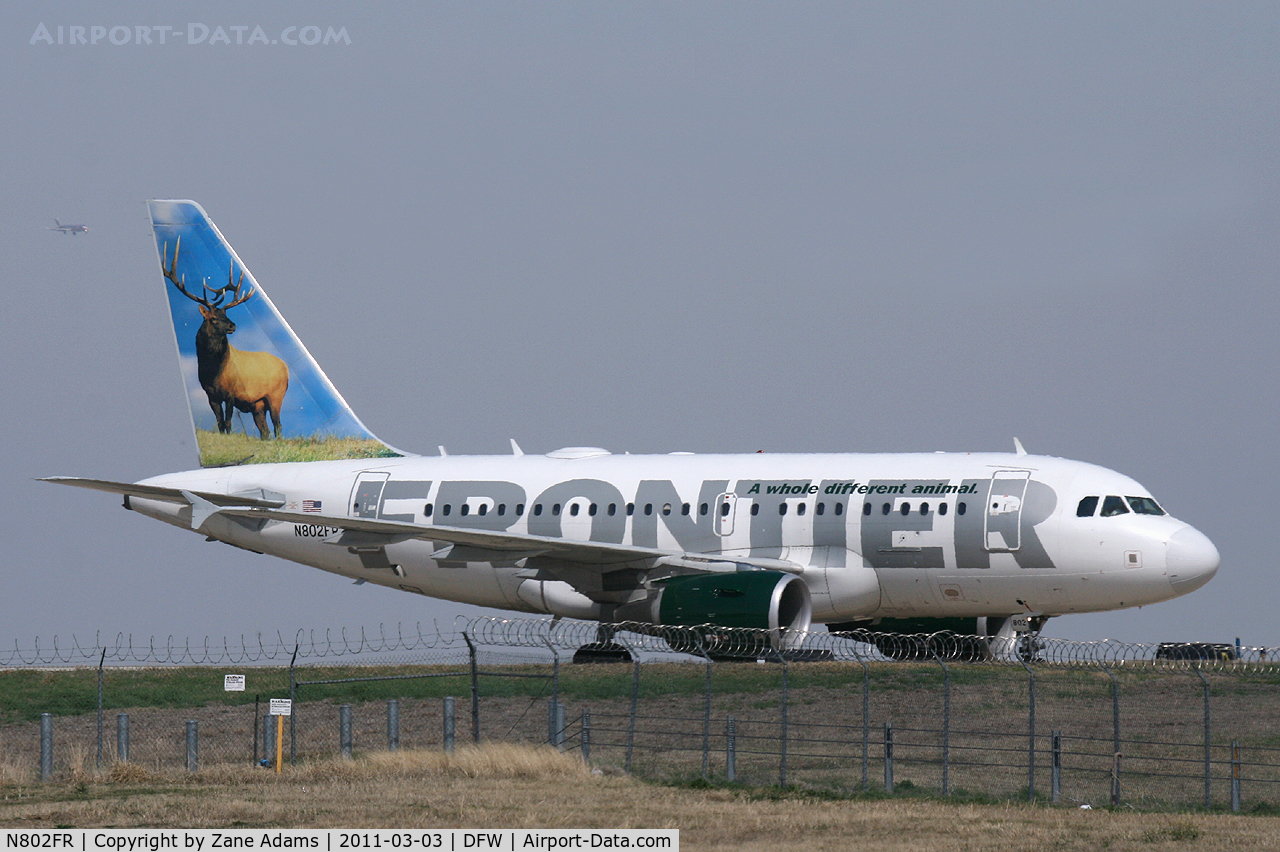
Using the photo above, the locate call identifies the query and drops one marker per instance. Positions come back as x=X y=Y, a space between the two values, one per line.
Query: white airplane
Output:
x=68 y=229
x=973 y=543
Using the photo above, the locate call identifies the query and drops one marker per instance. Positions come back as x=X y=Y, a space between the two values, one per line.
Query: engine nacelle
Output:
x=765 y=600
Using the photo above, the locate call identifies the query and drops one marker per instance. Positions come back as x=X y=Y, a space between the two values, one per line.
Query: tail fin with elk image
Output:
x=256 y=394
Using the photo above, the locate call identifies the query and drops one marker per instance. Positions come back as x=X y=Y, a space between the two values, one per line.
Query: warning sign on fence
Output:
x=233 y=683
x=281 y=707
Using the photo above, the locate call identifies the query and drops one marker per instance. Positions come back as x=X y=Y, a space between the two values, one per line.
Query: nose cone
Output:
x=1191 y=560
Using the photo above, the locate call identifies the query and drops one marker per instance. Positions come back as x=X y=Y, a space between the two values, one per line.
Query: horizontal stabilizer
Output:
x=167 y=495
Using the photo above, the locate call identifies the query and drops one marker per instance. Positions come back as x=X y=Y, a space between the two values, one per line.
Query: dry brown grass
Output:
x=515 y=786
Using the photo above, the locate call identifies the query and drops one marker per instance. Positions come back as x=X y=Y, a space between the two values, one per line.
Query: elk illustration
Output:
x=249 y=381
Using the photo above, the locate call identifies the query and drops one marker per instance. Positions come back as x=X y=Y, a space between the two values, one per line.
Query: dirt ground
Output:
x=546 y=789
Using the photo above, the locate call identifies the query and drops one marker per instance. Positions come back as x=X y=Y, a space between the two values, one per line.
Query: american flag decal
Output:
x=311 y=505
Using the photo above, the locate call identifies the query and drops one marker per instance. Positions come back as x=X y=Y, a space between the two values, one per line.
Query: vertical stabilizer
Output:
x=256 y=395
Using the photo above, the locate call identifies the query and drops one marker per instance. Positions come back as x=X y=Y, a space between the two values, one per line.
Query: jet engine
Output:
x=770 y=601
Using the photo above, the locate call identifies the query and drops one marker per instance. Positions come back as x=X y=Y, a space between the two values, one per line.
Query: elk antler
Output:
x=209 y=301
x=170 y=272
x=237 y=299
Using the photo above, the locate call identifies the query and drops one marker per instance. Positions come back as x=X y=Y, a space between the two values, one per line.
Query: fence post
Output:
x=450 y=723
x=586 y=736
x=1205 y=681
x=293 y=711
x=558 y=724
x=1115 y=736
x=193 y=745
x=731 y=750
x=268 y=738
x=393 y=724
x=1235 y=776
x=101 y=661
x=866 y=704
x=1031 y=731
x=475 y=688
x=1055 y=772
x=888 y=757
x=344 y=730
x=946 y=723
x=631 y=724
x=122 y=737
x=706 y=704
x=782 y=756
x=46 y=746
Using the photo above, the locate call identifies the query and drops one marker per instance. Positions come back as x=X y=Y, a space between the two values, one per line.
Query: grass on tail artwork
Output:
x=256 y=396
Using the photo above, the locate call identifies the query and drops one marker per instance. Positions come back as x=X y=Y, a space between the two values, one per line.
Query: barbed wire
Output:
x=303 y=644
x=640 y=641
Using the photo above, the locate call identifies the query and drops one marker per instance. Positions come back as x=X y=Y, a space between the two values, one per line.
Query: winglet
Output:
x=515 y=448
x=1017 y=447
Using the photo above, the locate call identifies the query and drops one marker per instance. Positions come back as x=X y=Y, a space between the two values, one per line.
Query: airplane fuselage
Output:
x=871 y=535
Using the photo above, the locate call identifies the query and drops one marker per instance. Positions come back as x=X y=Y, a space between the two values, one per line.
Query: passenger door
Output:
x=1003 y=516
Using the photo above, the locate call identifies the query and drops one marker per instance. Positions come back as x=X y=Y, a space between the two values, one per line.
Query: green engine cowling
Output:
x=765 y=600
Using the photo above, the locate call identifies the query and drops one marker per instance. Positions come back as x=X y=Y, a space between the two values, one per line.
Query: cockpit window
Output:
x=1087 y=507
x=1113 y=505
x=1144 y=506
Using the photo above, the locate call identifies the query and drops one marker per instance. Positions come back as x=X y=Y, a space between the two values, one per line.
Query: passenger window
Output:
x=906 y=508
x=782 y=508
x=800 y=509
x=942 y=508
x=502 y=508
x=1087 y=507
x=839 y=508
x=613 y=509
x=755 y=508
x=866 y=508
x=666 y=508
x=1144 y=506
x=484 y=509
x=573 y=509
x=555 y=508
x=591 y=510
x=1113 y=505
x=445 y=510
x=702 y=509
x=631 y=509
x=924 y=508
x=519 y=509
x=724 y=510
x=648 y=508
x=465 y=510
x=960 y=508
x=822 y=509
x=684 y=509
x=537 y=509
x=884 y=510
x=427 y=509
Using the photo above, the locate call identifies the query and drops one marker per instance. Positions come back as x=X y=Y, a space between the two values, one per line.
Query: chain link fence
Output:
x=1098 y=723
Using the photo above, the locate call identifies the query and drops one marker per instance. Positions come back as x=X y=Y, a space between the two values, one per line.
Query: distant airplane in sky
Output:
x=977 y=544
x=68 y=229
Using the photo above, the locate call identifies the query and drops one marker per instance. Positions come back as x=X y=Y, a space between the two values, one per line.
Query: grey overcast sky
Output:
x=649 y=227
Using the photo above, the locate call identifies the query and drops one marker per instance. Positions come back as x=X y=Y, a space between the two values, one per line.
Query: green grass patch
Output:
x=219 y=450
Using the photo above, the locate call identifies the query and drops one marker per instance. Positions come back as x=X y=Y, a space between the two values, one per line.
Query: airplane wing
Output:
x=577 y=562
